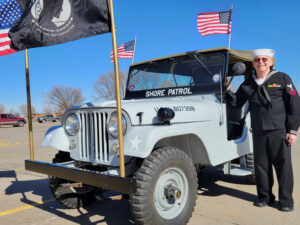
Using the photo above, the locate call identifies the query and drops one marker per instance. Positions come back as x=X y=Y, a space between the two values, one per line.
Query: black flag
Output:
x=50 y=22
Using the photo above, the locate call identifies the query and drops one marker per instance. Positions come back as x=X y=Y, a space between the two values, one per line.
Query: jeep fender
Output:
x=55 y=137
x=141 y=140
x=205 y=148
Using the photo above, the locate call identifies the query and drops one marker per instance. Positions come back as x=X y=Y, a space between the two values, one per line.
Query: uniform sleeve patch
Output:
x=293 y=92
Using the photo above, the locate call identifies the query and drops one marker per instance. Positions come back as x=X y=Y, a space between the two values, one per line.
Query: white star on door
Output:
x=135 y=143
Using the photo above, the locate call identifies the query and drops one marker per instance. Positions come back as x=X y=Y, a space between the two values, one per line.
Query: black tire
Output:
x=250 y=164
x=162 y=169
x=69 y=196
x=21 y=123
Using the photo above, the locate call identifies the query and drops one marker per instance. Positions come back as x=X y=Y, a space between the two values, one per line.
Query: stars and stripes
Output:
x=214 y=23
x=125 y=51
x=10 y=11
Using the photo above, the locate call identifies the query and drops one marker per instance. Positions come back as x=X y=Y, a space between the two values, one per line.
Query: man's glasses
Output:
x=264 y=60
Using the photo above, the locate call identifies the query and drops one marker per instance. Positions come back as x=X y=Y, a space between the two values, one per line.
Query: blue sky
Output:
x=161 y=27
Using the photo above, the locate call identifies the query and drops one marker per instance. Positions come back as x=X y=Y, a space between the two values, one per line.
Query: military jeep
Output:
x=175 y=122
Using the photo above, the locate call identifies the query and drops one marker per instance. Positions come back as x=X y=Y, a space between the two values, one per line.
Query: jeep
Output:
x=175 y=122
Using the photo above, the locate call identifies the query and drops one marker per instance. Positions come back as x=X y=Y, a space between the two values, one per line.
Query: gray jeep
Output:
x=175 y=122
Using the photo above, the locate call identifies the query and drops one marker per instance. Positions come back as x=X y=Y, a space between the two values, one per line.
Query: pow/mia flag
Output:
x=50 y=22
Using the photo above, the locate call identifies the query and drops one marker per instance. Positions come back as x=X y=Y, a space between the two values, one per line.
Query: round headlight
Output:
x=112 y=125
x=71 y=124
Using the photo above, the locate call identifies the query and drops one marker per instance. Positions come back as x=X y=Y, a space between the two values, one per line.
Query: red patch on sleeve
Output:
x=293 y=92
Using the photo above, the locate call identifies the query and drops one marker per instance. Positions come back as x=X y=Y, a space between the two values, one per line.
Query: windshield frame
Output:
x=177 y=91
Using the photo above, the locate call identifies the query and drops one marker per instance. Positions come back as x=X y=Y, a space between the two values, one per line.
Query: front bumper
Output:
x=93 y=178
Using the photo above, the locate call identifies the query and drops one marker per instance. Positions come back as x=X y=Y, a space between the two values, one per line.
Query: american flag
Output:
x=125 y=51
x=10 y=11
x=214 y=23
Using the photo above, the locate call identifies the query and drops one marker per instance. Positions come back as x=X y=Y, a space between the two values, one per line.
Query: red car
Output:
x=9 y=119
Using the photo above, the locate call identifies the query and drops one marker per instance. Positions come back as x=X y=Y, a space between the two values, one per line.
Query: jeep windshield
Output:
x=174 y=76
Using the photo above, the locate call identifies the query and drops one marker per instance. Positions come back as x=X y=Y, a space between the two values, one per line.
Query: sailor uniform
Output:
x=274 y=106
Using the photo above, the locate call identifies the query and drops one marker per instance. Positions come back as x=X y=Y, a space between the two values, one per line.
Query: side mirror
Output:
x=238 y=68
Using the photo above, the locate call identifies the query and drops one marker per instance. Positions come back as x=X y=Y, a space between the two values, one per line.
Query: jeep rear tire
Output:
x=166 y=188
x=70 y=197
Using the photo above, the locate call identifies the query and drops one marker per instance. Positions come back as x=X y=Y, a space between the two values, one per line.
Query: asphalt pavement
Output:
x=26 y=199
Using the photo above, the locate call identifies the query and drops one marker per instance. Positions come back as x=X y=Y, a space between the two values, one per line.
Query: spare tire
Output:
x=71 y=197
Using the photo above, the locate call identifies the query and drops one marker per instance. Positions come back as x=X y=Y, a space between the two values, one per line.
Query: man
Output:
x=274 y=106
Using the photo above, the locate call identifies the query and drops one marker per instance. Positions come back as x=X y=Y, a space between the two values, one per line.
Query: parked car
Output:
x=10 y=119
x=46 y=118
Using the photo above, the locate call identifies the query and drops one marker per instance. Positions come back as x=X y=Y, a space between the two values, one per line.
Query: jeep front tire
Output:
x=166 y=188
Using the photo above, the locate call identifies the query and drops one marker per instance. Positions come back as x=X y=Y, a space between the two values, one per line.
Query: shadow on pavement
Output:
x=207 y=183
x=7 y=173
x=114 y=212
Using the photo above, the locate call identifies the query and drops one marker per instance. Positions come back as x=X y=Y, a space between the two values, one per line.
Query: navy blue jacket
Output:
x=273 y=105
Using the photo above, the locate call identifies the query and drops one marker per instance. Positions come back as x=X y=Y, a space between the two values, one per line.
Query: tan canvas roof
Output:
x=234 y=56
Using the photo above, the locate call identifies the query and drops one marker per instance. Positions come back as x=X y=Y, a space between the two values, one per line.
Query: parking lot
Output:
x=26 y=199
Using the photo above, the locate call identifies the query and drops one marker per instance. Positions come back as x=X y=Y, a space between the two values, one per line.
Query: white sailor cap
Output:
x=263 y=51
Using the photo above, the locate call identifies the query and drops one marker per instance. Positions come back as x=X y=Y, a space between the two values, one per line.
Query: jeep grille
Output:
x=93 y=136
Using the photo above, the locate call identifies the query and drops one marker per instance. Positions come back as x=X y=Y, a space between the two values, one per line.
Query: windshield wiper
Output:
x=172 y=72
x=199 y=60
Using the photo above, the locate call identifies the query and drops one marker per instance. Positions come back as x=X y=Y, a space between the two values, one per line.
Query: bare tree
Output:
x=13 y=112
x=2 y=108
x=65 y=97
x=104 y=86
x=49 y=109
x=17 y=114
x=23 y=110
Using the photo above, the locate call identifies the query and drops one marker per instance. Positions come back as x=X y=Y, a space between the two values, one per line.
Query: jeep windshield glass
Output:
x=201 y=73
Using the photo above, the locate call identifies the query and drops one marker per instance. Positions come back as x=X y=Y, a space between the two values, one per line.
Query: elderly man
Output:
x=275 y=117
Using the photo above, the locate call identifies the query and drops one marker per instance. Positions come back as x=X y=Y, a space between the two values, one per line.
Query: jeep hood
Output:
x=190 y=109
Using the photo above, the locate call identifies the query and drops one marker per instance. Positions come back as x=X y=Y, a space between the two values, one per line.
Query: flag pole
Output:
x=117 y=84
x=133 y=49
x=230 y=25
x=29 y=114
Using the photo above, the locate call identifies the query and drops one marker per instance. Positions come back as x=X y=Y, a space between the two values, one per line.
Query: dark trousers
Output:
x=271 y=148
